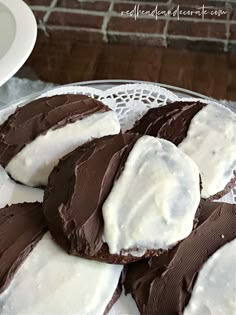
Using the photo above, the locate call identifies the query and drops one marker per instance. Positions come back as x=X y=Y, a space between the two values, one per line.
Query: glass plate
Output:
x=107 y=84
x=98 y=89
x=114 y=93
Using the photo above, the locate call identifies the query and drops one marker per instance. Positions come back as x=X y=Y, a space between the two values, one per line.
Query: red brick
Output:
x=74 y=19
x=39 y=15
x=139 y=25
x=198 y=45
x=38 y=2
x=85 y=5
x=135 y=39
x=200 y=29
x=213 y=3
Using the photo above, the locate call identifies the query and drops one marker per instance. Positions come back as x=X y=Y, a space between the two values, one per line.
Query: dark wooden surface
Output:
x=53 y=60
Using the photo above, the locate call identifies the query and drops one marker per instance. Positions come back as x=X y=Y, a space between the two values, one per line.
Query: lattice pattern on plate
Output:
x=131 y=101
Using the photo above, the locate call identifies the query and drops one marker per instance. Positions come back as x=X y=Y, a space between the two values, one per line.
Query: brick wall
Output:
x=175 y=23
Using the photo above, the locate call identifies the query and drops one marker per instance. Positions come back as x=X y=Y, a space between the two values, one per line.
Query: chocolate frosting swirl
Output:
x=170 y=122
x=163 y=285
x=37 y=117
x=21 y=227
x=76 y=191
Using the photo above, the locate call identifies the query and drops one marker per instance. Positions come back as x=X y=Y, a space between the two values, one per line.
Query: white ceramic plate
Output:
x=18 y=31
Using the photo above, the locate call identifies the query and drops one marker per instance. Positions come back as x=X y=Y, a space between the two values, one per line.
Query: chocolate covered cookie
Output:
x=37 y=135
x=120 y=198
x=38 y=277
x=21 y=227
x=195 y=277
x=52 y=282
x=205 y=132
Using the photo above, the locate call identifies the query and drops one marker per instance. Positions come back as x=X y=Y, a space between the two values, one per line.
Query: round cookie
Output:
x=206 y=133
x=195 y=277
x=21 y=228
x=37 y=135
x=120 y=198
x=38 y=277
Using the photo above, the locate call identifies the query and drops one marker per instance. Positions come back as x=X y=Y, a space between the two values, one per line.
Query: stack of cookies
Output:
x=111 y=211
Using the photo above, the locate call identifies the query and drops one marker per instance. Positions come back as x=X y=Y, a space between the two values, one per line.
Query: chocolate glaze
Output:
x=37 y=117
x=76 y=191
x=170 y=122
x=21 y=227
x=163 y=285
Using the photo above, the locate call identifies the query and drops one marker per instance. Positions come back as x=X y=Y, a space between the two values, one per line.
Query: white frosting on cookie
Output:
x=153 y=203
x=51 y=282
x=11 y=192
x=211 y=143
x=214 y=292
x=35 y=161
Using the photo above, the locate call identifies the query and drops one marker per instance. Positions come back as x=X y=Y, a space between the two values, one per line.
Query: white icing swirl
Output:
x=33 y=164
x=211 y=143
x=152 y=204
x=51 y=282
x=214 y=292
